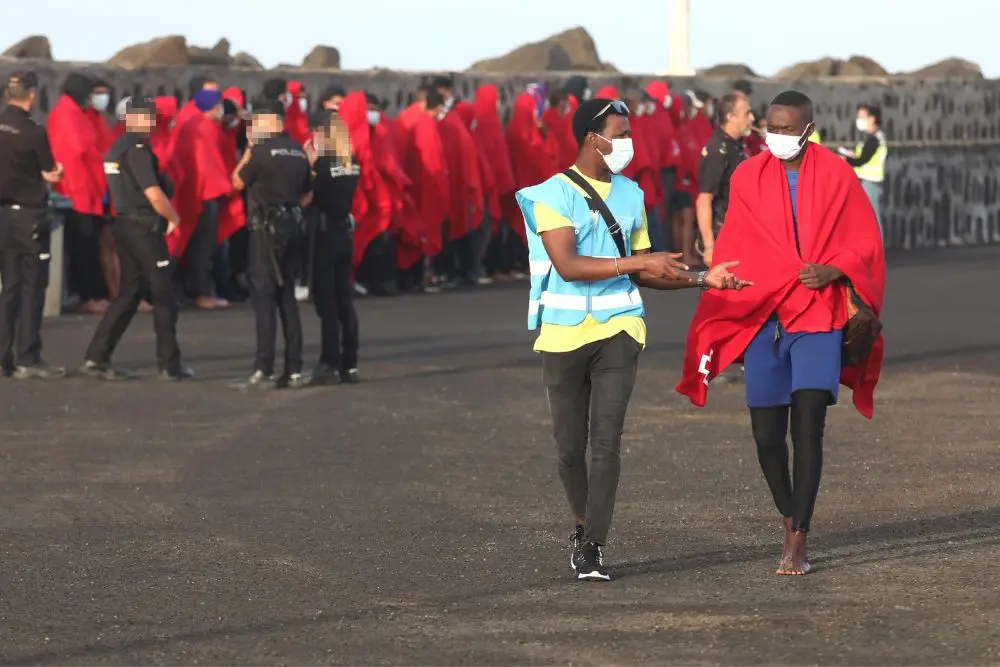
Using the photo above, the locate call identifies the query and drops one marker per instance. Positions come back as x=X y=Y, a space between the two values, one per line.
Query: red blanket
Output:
x=465 y=183
x=197 y=151
x=76 y=144
x=837 y=227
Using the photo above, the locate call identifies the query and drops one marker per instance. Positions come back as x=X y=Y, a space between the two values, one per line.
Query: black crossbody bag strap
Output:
x=597 y=204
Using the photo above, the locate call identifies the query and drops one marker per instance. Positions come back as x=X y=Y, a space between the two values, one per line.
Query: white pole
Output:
x=680 y=39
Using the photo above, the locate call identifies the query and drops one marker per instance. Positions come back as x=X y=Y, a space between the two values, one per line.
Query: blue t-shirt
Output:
x=793 y=184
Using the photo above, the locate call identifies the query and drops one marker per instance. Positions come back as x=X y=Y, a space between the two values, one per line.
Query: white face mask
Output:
x=861 y=124
x=667 y=101
x=586 y=94
x=785 y=146
x=303 y=104
x=620 y=155
x=374 y=117
x=100 y=101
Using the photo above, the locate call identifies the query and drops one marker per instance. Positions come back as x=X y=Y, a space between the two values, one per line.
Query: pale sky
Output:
x=451 y=34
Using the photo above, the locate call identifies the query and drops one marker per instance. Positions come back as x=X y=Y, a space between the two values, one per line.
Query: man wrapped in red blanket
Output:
x=801 y=226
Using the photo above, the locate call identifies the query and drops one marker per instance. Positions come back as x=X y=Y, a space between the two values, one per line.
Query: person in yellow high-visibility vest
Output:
x=869 y=156
x=816 y=138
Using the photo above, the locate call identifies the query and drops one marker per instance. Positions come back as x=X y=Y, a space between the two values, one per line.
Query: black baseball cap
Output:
x=269 y=107
x=24 y=78
x=144 y=105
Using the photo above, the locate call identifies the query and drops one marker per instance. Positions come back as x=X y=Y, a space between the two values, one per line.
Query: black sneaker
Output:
x=577 y=539
x=350 y=376
x=324 y=374
x=177 y=374
x=99 y=371
x=40 y=371
x=292 y=381
x=590 y=563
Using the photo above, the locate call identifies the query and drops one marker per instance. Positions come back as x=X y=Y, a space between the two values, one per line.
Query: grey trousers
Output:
x=588 y=390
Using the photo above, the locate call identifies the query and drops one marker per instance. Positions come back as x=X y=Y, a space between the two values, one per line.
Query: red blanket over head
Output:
x=465 y=183
x=424 y=164
x=560 y=140
x=373 y=202
x=77 y=146
x=837 y=227
x=529 y=159
x=467 y=112
x=489 y=137
x=296 y=120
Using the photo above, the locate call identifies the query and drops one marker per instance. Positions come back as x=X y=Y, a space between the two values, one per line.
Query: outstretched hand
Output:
x=663 y=265
x=720 y=277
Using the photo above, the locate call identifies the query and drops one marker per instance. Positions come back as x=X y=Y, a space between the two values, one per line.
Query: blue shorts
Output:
x=778 y=363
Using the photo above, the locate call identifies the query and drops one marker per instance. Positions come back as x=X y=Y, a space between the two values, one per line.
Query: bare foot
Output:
x=145 y=307
x=785 y=549
x=797 y=563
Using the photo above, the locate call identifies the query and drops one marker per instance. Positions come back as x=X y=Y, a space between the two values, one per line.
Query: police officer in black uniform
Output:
x=719 y=159
x=336 y=172
x=276 y=173
x=141 y=197
x=26 y=166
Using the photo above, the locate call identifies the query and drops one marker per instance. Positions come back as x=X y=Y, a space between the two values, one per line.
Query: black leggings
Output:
x=770 y=428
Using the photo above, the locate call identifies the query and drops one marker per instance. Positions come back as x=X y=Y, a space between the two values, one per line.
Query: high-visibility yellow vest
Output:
x=874 y=169
x=815 y=138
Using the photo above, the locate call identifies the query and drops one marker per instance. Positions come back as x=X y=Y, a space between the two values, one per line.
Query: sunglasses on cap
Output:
x=617 y=105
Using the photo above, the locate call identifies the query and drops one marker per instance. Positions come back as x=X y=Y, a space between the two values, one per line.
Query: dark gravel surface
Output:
x=417 y=518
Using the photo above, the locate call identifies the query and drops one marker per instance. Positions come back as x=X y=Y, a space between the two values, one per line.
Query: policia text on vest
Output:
x=585 y=301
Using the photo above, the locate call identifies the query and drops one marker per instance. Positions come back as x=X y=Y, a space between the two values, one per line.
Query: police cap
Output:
x=144 y=105
x=268 y=107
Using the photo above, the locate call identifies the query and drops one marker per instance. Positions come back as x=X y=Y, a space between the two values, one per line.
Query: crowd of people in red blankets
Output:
x=430 y=176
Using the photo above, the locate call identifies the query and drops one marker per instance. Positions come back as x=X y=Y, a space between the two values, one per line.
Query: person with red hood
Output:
x=466 y=111
x=456 y=262
x=77 y=145
x=557 y=119
x=296 y=112
x=492 y=145
x=807 y=237
x=375 y=265
x=424 y=163
x=670 y=153
x=203 y=185
x=530 y=162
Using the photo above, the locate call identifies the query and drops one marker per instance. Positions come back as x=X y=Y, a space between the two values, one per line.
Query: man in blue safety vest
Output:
x=589 y=249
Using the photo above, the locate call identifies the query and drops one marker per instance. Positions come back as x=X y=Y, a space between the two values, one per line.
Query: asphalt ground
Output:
x=417 y=517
